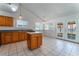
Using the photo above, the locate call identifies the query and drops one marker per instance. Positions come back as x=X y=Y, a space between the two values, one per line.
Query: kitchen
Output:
x=13 y=35
x=36 y=30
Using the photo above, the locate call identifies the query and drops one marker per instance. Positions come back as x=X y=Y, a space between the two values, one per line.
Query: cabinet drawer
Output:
x=33 y=36
x=6 y=37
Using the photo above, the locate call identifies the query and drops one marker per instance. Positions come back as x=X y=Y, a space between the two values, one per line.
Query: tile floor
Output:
x=50 y=47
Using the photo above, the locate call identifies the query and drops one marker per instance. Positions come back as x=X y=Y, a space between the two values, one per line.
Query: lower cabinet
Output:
x=34 y=41
x=25 y=36
x=15 y=37
x=21 y=36
x=6 y=38
x=11 y=37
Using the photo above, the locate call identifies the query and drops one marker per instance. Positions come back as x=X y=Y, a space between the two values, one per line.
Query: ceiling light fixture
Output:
x=20 y=15
x=13 y=7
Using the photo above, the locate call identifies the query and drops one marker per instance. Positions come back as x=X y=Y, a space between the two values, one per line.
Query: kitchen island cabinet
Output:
x=34 y=40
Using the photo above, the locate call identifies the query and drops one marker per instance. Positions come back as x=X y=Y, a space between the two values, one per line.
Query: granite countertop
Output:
x=28 y=31
x=17 y=31
x=34 y=32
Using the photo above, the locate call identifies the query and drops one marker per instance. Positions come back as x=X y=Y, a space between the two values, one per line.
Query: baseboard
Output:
x=68 y=40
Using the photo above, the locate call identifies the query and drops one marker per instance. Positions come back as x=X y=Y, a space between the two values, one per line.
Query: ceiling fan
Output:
x=13 y=7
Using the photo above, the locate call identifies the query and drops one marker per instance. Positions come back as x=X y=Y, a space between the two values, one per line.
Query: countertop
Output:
x=34 y=32
x=17 y=31
x=28 y=31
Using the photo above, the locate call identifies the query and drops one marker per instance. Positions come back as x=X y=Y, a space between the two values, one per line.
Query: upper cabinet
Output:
x=9 y=21
x=6 y=21
x=2 y=21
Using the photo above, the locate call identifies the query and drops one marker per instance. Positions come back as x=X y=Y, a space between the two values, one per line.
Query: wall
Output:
x=28 y=16
x=64 y=20
x=52 y=32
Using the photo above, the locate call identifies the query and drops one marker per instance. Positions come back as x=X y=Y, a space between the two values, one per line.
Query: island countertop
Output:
x=34 y=32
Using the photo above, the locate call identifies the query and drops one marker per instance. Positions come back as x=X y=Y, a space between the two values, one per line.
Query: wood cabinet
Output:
x=9 y=21
x=21 y=36
x=34 y=41
x=6 y=37
x=6 y=21
x=26 y=36
x=15 y=37
x=2 y=38
x=11 y=37
x=39 y=37
x=2 y=20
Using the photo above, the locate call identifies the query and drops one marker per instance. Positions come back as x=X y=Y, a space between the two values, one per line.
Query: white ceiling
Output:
x=52 y=10
x=47 y=10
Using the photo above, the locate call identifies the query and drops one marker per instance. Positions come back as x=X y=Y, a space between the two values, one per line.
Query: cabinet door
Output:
x=2 y=20
x=29 y=41
x=6 y=38
x=33 y=43
x=39 y=38
x=26 y=36
x=21 y=36
x=9 y=21
x=14 y=36
x=2 y=38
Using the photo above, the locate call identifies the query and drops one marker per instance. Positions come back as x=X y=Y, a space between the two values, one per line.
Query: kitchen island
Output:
x=34 y=40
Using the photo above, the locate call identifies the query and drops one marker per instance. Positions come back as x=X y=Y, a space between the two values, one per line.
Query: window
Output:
x=39 y=26
x=51 y=26
x=43 y=26
x=21 y=23
x=48 y=26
